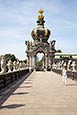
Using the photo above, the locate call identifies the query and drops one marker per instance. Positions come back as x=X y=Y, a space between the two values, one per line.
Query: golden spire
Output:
x=40 y=11
x=40 y=16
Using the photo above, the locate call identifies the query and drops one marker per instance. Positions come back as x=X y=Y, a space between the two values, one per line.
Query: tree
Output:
x=25 y=61
x=10 y=57
x=58 y=51
x=39 y=63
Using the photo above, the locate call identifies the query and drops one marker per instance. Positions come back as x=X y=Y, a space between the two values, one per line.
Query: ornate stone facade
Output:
x=40 y=35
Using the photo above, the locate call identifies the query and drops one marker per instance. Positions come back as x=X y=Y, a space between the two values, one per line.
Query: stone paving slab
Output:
x=42 y=93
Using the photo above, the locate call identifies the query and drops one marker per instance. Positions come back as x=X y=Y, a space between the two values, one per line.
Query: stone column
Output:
x=29 y=60
x=52 y=59
x=49 y=61
x=33 y=60
x=43 y=63
x=46 y=61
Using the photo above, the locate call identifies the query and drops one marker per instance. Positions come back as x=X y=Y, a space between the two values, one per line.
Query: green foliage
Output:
x=39 y=64
x=25 y=61
x=10 y=57
x=58 y=51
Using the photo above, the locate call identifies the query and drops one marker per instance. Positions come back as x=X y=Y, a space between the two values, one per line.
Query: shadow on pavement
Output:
x=71 y=84
x=27 y=82
x=20 y=93
x=5 y=96
x=12 y=106
x=25 y=86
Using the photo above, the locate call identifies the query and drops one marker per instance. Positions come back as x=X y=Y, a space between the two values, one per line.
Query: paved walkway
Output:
x=42 y=93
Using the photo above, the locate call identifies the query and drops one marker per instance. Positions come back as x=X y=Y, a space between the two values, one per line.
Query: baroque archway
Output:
x=40 y=61
x=40 y=35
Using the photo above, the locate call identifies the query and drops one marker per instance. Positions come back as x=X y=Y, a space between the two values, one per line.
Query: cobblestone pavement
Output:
x=42 y=93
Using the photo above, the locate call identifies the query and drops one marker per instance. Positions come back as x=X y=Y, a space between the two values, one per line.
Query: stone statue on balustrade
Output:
x=3 y=65
x=10 y=66
x=52 y=44
x=17 y=65
x=59 y=65
x=20 y=66
x=73 y=66
x=28 y=44
x=14 y=66
x=69 y=65
x=24 y=65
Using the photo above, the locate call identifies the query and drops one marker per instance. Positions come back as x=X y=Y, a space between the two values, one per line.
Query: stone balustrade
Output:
x=10 y=77
x=71 y=65
x=11 y=71
x=71 y=68
x=70 y=74
x=11 y=66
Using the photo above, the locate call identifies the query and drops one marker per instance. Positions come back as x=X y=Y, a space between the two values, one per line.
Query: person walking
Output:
x=64 y=74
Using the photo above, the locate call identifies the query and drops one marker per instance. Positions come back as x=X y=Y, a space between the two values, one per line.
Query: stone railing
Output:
x=10 y=77
x=71 y=68
x=12 y=71
x=70 y=74
x=11 y=66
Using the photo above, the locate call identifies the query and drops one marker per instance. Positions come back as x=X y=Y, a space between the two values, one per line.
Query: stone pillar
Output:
x=33 y=60
x=27 y=60
x=49 y=61
x=52 y=59
x=30 y=61
x=46 y=61
x=43 y=63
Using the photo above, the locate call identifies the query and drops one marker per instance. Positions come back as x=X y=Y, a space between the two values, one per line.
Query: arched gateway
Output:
x=40 y=35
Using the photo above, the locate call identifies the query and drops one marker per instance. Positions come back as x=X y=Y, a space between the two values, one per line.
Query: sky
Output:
x=18 y=18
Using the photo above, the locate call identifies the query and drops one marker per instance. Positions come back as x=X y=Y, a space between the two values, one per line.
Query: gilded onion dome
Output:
x=40 y=32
